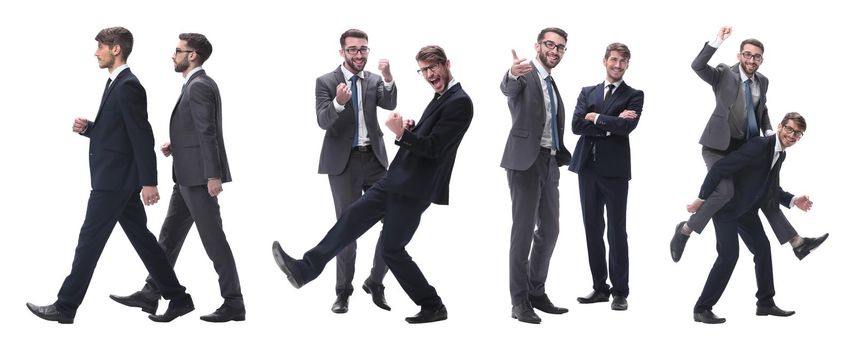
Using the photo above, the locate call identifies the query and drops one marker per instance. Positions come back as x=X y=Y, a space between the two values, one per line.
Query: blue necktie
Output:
x=354 y=100
x=749 y=113
x=553 y=111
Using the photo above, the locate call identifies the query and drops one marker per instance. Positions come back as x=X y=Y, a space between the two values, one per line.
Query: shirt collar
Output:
x=348 y=74
x=190 y=74
x=116 y=72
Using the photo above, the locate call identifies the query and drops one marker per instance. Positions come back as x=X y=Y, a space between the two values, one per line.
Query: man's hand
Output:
x=520 y=66
x=150 y=195
x=215 y=186
x=694 y=206
x=342 y=93
x=803 y=202
x=395 y=123
x=80 y=125
x=166 y=149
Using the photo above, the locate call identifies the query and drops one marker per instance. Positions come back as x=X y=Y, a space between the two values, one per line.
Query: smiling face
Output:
x=436 y=74
x=789 y=133
x=354 y=62
x=616 y=65
x=550 y=57
x=750 y=58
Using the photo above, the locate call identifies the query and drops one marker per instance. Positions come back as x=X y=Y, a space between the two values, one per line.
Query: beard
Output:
x=353 y=66
x=544 y=59
x=182 y=66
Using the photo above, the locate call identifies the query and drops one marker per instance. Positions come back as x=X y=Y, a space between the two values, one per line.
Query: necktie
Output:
x=749 y=113
x=106 y=88
x=553 y=111
x=354 y=100
x=608 y=93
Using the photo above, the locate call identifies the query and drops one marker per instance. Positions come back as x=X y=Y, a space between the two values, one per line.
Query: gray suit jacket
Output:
x=528 y=117
x=725 y=81
x=196 y=134
x=338 y=139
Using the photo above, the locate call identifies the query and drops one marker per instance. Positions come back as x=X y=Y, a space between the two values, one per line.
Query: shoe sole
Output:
x=278 y=255
x=236 y=319
x=368 y=291
x=147 y=310
x=674 y=255
x=524 y=321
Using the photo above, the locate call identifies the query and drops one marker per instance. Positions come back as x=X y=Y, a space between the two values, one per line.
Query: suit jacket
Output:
x=422 y=167
x=528 y=118
x=196 y=133
x=756 y=182
x=725 y=82
x=338 y=140
x=612 y=151
x=121 y=144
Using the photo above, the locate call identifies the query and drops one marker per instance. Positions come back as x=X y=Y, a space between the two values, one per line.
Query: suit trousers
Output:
x=104 y=210
x=362 y=171
x=193 y=204
x=402 y=216
x=597 y=192
x=750 y=229
x=534 y=202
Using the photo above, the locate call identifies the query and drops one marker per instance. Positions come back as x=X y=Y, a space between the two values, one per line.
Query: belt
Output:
x=363 y=149
x=549 y=151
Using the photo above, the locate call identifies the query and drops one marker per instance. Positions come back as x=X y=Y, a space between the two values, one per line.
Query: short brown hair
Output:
x=198 y=43
x=432 y=53
x=117 y=36
x=622 y=50
x=352 y=33
x=555 y=30
x=751 y=41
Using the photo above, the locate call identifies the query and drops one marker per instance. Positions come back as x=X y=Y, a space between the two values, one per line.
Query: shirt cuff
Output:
x=388 y=86
x=715 y=43
x=510 y=75
x=338 y=107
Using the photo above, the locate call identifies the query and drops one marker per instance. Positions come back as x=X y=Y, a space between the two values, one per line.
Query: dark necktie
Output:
x=608 y=93
x=106 y=88
x=749 y=111
x=553 y=111
x=354 y=100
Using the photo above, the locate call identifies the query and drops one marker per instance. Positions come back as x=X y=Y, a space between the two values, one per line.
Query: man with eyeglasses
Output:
x=123 y=171
x=353 y=154
x=418 y=176
x=533 y=152
x=755 y=169
x=604 y=117
x=739 y=115
x=199 y=169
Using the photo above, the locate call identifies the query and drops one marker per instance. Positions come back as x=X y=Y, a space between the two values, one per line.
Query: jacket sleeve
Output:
x=204 y=114
x=448 y=130
x=621 y=126
x=135 y=118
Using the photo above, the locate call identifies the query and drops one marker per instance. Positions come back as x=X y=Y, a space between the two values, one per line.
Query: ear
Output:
x=116 y=50
x=341 y=52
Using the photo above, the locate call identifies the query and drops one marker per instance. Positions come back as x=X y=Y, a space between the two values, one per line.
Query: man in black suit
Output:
x=419 y=175
x=605 y=115
x=533 y=152
x=122 y=165
x=755 y=169
x=353 y=154
x=199 y=169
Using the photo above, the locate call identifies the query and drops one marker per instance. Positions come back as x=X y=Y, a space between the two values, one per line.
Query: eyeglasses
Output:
x=353 y=50
x=424 y=70
x=791 y=131
x=747 y=56
x=180 y=50
x=552 y=45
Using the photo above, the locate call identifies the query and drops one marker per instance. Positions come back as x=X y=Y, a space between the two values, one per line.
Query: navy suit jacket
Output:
x=422 y=167
x=756 y=183
x=121 y=144
x=612 y=151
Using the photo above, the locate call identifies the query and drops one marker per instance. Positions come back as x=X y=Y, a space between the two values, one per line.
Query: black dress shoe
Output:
x=226 y=313
x=429 y=315
x=678 y=242
x=288 y=265
x=177 y=308
x=340 y=304
x=377 y=294
x=138 y=299
x=619 y=303
x=50 y=313
x=773 y=311
x=594 y=297
x=524 y=313
x=707 y=316
x=808 y=246
x=543 y=303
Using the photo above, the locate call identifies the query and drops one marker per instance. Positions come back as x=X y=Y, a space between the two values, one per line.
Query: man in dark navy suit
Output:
x=418 y=176
x=605 y=115
x=755 y=169
x=122 y=165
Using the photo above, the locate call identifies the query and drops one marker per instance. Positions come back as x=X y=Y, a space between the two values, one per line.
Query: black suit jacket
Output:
x=121 y=144
x=196 y=134
x=612 y=151
x=422 y=167
x=756 y=183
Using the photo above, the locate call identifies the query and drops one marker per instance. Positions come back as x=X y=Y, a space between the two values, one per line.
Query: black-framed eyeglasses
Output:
x=179 y=50
x=791 y=131
x=353 y=50
x=747 y=56
x=424 y=70
x=550 y=45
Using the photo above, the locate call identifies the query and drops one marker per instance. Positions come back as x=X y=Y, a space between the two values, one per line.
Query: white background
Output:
x=265 y=60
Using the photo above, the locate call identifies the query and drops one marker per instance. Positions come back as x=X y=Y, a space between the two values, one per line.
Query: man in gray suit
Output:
x=740 y=113
x=534 y=151
x=199 y=169
x=353 y=154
